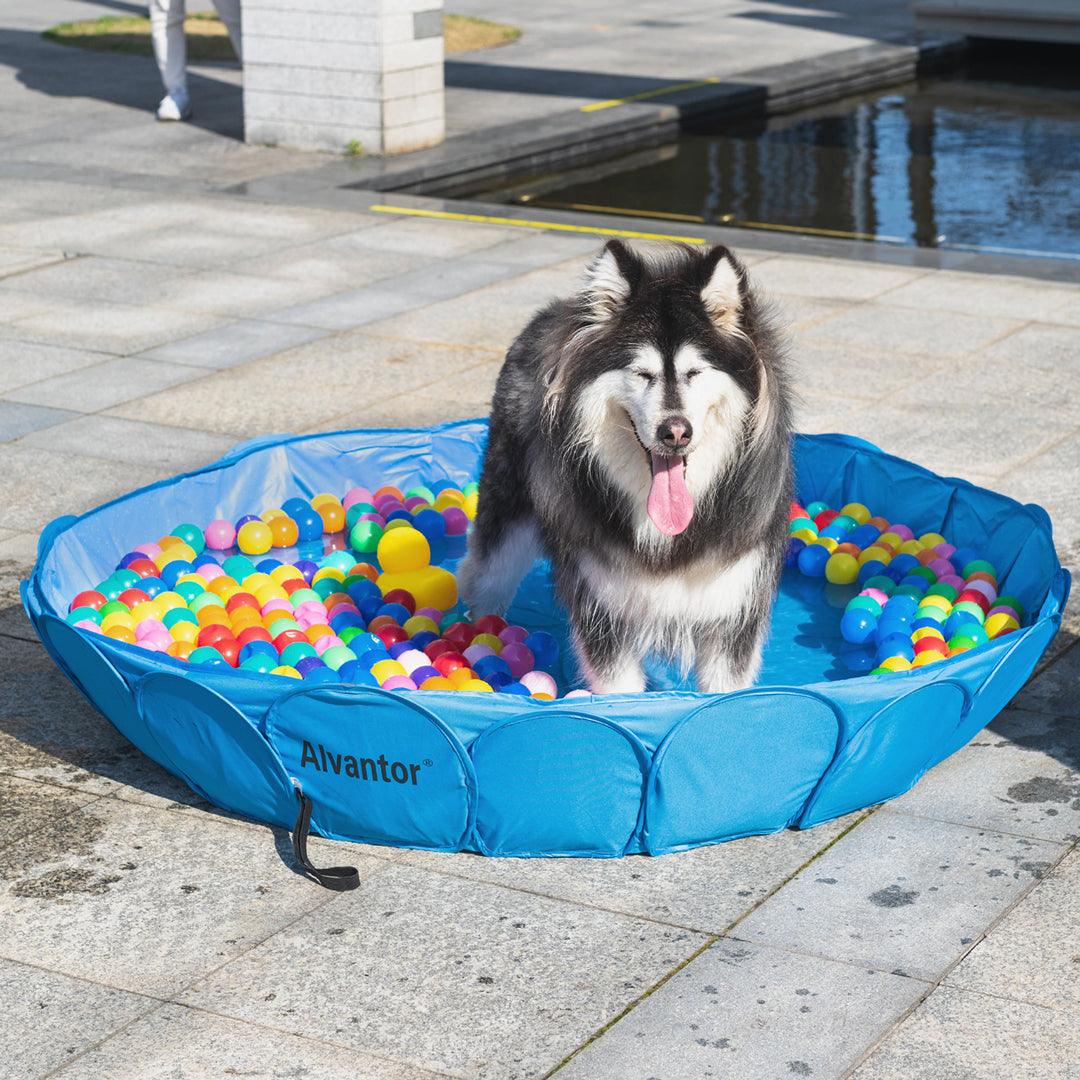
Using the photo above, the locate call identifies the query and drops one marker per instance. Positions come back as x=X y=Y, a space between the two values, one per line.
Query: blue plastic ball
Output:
x=401 y=647
x=322 y=674
x=372 y=657
x=544 y=647
x=295 y=506
x=355 y=671
x=399 y=515
x=370 y=606
x=491 y=665
x=153 y=586
x=309 y=525
x=895 y=645
x=858 y=626
x=812 y=560
x=360 y=590
x=515 y=688
x=257 y=648
x=172 y=572
x=423 y=639
x=398 y=612
x=794 y=547
x=870 y=568
x=344 y=619
x=129 y=558
x=204 y=558
x=903 y=562
x=264 y=566
x=957 y=622
x=431 y=523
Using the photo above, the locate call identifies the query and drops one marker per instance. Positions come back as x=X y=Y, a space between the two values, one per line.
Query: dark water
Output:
x=985 y=157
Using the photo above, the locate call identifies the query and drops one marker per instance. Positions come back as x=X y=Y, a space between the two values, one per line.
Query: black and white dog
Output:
x=640 y=437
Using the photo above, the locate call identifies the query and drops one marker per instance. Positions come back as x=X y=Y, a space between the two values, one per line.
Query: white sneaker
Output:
x=175 y=106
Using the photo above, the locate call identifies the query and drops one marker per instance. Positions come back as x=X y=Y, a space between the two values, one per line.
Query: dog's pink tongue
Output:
x=670 y=505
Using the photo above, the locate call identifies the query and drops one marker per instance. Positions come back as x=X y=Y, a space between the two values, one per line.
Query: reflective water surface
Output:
x=985 y=157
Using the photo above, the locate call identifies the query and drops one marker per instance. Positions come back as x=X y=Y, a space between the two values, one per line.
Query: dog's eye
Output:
x=646 y=376
x=691 y=375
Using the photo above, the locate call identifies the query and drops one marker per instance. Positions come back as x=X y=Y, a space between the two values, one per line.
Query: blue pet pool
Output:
x=512 y=776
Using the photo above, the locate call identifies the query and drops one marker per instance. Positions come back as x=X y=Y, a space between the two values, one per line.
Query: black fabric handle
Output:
x=338 y=878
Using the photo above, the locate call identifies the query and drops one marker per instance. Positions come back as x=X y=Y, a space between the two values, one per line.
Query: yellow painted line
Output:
x=674 y=88
x=524 y=223
x=729 y=219
x=625 y=211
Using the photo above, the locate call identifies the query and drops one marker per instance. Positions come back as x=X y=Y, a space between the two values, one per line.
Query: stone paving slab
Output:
x=17 y=419
x=901 y=894
x=966 y=1036
x=26 y=806
x=178 y=1043
x=1021 y=775
x=1033 y=954
x=23 y=362
x=740 y=1011
x=828 y=279
x=50 y=1018
x=111 y=382
x=706 y=889
x=71 y=893
x=1055 y=692
x=507 y=984
x=170 y=449
x=233 y=344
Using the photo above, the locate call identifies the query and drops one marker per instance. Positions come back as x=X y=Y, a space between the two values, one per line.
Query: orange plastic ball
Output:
x=284 y=532
x=333 y=517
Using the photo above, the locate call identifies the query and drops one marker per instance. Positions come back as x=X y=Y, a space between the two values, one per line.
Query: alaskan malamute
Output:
x=640 y=438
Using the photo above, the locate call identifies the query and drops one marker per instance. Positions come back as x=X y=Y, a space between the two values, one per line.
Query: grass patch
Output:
x=464 y=33
x=207 y=38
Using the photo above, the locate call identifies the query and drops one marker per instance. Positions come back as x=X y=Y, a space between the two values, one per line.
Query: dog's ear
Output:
x=721 y=288
x=610 y=279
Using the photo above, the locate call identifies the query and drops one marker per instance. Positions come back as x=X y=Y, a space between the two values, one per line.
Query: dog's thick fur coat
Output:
x=640 y=437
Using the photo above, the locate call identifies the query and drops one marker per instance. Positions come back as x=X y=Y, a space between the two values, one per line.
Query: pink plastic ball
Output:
x=150 y=645
x=903 y=532
x=513 y=634
x=876 y=594
x=478 y=652
x=432 y=613
x=161 y=639
x=356 y=495
x=88 y=624
x=941 y=567
x=539 y=682
x=578 y=693
x=946 y=551
x=398 y=682
x=521 y=661
x=149 y=549
x=457 y=521
x=415 y=502
x=276 y=604
x=219 y=534
x=210 y=571
x=325 y=642
x=149 y=626
x=377 y=518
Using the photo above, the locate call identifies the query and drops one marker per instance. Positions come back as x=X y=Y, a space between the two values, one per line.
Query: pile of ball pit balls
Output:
x=921 y=599
x=329 y=618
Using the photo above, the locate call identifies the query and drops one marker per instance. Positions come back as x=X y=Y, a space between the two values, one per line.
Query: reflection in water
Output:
x=987 y=157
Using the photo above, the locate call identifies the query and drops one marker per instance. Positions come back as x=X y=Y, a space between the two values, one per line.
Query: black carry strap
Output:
x=338 y=878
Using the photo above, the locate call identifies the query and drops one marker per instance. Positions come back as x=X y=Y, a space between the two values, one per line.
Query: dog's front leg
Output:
x=728 y=656
x=606 y=654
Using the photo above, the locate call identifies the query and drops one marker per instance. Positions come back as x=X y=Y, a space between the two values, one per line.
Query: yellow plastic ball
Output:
x=397 y=523
x=874 y=552
x=541 y=696
x=269 y=515
x=828 y=542
x=449 y=497
x=436 y=682
x=911 y=547
x=418 y=624
x=490 y=640
x=807 y=536
x=273 y=591
x=117 y=618
x=255 y=538
x=331 y=572
x=927 y=631
x=931 y=539
x=924 y=659
x=460 y=676
x=841 y=569
x=324 y=497
x=281 y=574
x=890 y=538
x=477 y=684
x=255 y=581
x=941 y=602
x=284 y=669
x=168 y=601
x=469 y=506
x=385 y=668
x=896 y=663
x=185 y=631
x=999 y=623
x=857 y=511
x=403 y=550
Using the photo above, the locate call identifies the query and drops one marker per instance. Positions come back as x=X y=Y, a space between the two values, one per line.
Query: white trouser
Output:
x=167 y=34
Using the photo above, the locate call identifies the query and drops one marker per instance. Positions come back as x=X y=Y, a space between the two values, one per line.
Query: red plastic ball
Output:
x=825 y=517
x=230 y=649
x=392 y=635
x=931 y=644
x=402 y=597
x=448 y=662
x=131 y=597
x=490 y=624
x=287 y=637
x=439 y=647
x=254 y=633
x=240 y=600
x=215 y=632
x=460 y=634
x=973 y=595
x=143 y=567
x=380 y=621
x=290 y=585
x=90 y=598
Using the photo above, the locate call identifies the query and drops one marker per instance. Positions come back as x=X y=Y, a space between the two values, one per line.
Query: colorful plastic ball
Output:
x=895 y=645
x=929 y=656
x=365 y=536
x=206 y=654
x=961 y=643
x=473 y=653
x=858 y=627
x=88 y=598
x=399 y=682
x=191 y=535
x=519 y=658
x=353 y=671
x=437 y=682
x=457 y=521
x=930 y=644
x=309 y=525
x=841 y=569
x=539 y=682
x=475 y=685
x=544 y=647
x=794 y=547
x=812 y=560
x=333 y=517
x=336 y=655
x=972 y=608
x=287 y=672
x=896 y=663
x=517 y=689
x=448 y=661
x=857 y=511
x=219 y=535
x=121 y=633
x=83 y=614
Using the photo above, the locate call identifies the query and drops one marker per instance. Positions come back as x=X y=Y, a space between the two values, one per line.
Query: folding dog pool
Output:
x=513 y=776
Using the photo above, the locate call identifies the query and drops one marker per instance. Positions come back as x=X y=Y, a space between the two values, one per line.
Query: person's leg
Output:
x=170 y=48
x=229 y=13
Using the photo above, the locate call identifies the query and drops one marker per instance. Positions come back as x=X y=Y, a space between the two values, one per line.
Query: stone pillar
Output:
x=343 y=75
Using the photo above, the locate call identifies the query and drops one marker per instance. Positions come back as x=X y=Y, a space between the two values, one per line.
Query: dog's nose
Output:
x=675 y=432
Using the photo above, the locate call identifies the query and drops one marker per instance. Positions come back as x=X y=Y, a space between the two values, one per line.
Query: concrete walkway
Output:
x=146 y=324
